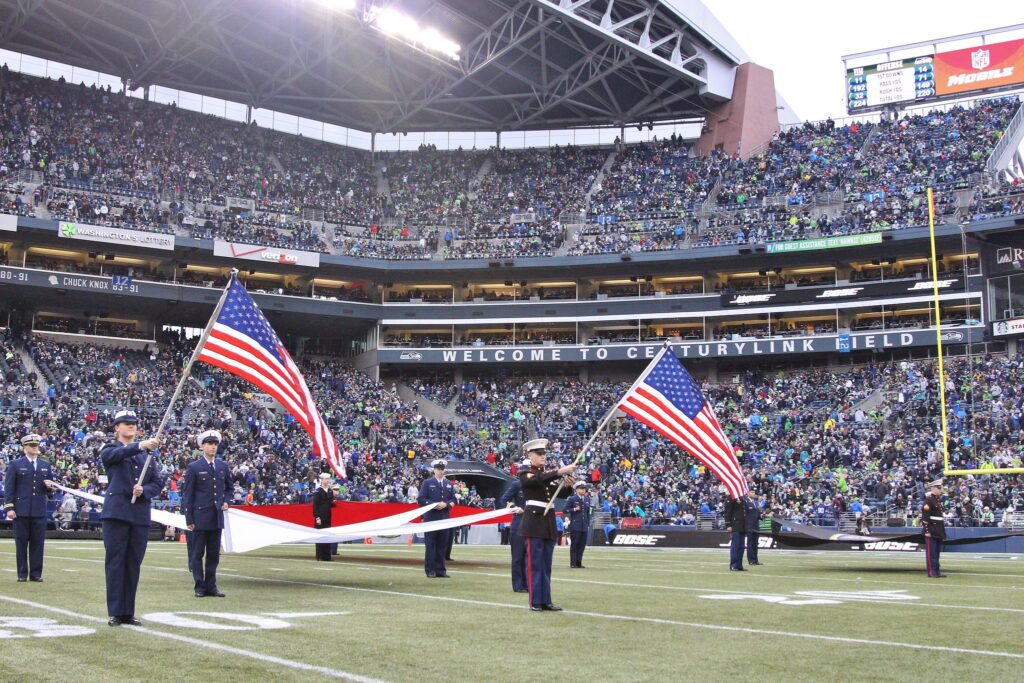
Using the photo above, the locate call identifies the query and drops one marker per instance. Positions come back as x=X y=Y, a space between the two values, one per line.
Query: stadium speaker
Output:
x=648 y=278
x=252 y=272
x=508 y=283
x=110 y=257
x=522 y=283
x=744 y=249
x=183 y=264
x=759 y=246
x=93 y=254
x=762 y=273
x=626 y=257
x=632 y=278
x=494 y=264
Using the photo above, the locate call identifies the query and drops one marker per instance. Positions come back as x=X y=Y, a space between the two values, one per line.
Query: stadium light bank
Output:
x=393 y=23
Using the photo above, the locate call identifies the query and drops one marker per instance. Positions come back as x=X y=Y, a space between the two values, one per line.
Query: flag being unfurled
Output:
x=666 y=399
x=242 y=342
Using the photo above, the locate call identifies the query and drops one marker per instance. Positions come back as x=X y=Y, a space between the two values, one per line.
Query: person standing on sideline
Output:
x=27 y=486
x=513 y=496
x=538 y=525
x=753 y=523
x=934 y=528
x=323 y=501
x=440 y=493
x=126 y=524
x=204 y=502
x=736 y=523
x=577 y=507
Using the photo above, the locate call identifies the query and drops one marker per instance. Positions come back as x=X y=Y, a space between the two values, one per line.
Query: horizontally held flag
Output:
x=666 y=399
x=242 y=342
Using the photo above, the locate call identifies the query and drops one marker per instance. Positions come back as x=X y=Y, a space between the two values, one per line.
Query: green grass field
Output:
x=631 y=615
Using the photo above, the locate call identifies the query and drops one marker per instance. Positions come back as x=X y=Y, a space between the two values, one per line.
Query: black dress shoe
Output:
x=756 y=563
x=520 y=590
x=431 y=575
x=130 y=621
x=114 y=621
x=551 y=607
x=737 y=569
x=443 y=576
x=536 y=608
x=21 y=580
x=200 y=594
x=580 y=566
x=39 y=580
x=938 y=576
x=216 y=593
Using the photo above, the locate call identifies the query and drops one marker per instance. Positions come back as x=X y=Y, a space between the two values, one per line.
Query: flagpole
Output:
x=606 y=419
x=185 y=375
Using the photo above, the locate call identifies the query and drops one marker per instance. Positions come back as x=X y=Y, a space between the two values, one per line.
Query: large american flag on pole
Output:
x=666 y=399
x=242 y=342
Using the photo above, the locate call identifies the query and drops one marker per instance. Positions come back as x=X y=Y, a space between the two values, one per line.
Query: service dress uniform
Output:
x=514 y=495
x=204 y=495
x=539 y=528
x=736 y=520
x=577 y=507
x=934 y=529
x=25 y=497
x=435 y=490
x=125 y=524
x=323 y=501
x=752 y=510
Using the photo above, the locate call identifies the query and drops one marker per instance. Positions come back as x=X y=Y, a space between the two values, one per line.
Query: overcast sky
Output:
x=803 y=41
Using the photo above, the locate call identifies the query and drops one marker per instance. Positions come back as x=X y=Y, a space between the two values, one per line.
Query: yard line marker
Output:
x=292 y=664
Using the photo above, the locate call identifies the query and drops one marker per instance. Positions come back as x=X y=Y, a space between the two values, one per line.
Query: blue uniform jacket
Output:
x=123 y=465
x=753 y=514
x=204 y=491
x=24 y=491
x=513 y=494
x=434 y=491
x=578 y=511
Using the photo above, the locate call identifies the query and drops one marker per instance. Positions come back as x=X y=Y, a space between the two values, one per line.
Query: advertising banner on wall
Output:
x=8 y=222
x=978 y=68
x=254 y=252
x=119 y=236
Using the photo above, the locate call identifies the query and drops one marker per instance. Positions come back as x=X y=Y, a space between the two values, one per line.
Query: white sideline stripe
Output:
x=654 y=620
x=301 y=666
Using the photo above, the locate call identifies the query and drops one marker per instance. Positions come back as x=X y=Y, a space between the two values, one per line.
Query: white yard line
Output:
x=289 y=663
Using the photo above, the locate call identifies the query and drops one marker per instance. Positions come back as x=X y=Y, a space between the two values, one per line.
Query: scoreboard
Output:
x=905 y=80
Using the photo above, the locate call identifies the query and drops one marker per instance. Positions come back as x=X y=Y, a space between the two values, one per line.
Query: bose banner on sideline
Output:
x=110 y=235
x=253 y=252
x=8 y=222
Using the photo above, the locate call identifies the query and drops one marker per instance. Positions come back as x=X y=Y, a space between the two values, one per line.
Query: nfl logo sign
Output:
x=980 y=59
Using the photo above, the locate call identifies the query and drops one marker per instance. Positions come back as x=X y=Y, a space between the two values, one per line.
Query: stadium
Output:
x=327 y=244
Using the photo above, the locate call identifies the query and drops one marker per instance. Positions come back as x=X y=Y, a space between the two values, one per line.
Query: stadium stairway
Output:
x=43 y=381
x=481 y=173
x=429 y=409
x=383 y=188
x=599 y=178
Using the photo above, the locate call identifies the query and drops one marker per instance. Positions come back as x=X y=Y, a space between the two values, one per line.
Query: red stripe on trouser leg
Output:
x=928 y=553
x=529 y=570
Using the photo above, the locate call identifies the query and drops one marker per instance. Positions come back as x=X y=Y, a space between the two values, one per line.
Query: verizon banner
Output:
x=977 y=68
x=252 y=252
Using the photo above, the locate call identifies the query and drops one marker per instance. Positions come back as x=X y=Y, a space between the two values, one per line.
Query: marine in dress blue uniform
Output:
x=126 y=524
x=204 y=501
x=440 y=493
x=26 y=489
x=577 y=507
x=752 y=510
x=538 y=525
x=513 y=496
x=934 y=524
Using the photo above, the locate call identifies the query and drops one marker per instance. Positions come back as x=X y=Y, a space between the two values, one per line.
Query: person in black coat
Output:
x=323 y=501
x=204 y=501
x=736 y=523
x=126 y=523
x=538 y=526
x=27 y=487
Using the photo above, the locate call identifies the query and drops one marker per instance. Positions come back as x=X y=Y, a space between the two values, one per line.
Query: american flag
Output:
x=666 y=399
x=242 y=342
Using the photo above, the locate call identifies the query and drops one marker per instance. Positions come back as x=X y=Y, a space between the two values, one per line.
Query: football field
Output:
x=631 y=615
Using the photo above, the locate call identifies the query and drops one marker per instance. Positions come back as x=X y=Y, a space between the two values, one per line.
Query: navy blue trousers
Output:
x=205 y=545
x=932 y=550
x=540 y=554
x=435 y=547
x=736 y=550
x=125 y=545
x=29 y=536
x=578 y=543
x=518 y=544
x=752 y=547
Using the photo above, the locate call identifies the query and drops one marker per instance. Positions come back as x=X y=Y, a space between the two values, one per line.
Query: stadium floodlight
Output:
x=394 y=23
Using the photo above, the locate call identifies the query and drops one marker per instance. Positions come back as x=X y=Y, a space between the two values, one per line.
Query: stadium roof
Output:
x=523 y=64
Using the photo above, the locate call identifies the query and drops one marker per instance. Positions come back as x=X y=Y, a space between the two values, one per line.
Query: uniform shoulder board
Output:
x=529 y=474
x=927 y=507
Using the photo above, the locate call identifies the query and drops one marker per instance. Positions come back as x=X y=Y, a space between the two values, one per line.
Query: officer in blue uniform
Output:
x=440 y=493
x=513 y=496
x=27 y=485
x=204 y=501
x=538 y=525
x=752 y=511
x=577 y=507
x=736 y=524
x=126 y=524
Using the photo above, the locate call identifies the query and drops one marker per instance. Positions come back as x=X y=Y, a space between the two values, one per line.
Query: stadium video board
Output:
x=904 y=80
